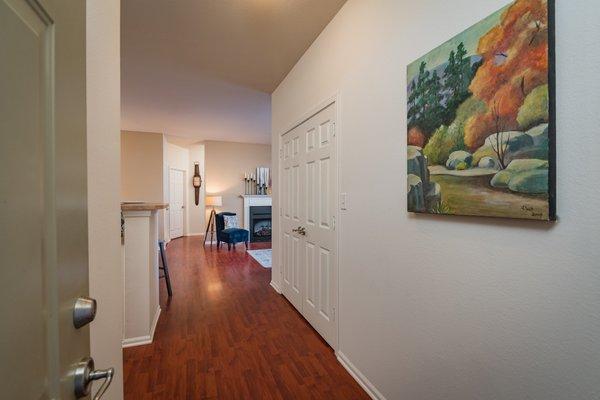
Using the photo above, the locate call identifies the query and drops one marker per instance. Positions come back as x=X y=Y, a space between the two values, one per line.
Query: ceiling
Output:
x=204 y=69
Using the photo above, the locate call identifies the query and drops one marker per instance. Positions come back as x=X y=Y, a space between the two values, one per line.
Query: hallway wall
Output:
x=454 y=308
x=104 y=200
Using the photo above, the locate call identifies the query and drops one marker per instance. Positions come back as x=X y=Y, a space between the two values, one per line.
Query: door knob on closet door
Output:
x=300 y=230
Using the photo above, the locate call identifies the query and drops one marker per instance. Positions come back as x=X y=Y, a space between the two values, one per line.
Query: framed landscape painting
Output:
x=481 y=119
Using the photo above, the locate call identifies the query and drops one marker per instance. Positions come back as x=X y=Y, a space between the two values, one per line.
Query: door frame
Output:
x=184 y=226
x=336 y=100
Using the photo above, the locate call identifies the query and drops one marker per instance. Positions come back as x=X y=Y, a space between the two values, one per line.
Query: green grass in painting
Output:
x=474 y=196
x=441 y=208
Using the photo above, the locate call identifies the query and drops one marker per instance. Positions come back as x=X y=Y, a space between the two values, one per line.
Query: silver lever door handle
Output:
x=85 y=374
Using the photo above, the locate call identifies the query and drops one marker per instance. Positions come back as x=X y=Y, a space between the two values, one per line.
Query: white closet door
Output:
x=292 y=216
x=309 y=191
x=176 y=203
x=319 y=244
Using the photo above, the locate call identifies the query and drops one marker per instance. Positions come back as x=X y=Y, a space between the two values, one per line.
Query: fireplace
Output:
x=260 y=223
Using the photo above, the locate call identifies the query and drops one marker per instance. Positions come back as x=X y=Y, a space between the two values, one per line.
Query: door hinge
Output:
x=333 y=129
x=334 y=223
x=281 y=153
x=334 y=313
x=280 y=211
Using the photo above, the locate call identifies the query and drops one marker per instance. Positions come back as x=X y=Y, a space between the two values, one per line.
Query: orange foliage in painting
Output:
x=416 y=137
x=515 y=61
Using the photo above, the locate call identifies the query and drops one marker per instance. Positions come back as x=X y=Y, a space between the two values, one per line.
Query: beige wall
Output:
x=103 y=144
x=454 y=308
x=196 y=213
x=226 y=163
x=142 y=166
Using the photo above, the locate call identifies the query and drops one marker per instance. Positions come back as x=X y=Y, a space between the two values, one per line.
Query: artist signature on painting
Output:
x=531 y=211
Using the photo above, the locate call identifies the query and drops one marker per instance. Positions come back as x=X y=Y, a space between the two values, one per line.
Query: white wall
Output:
x=455 y=308
x=103 y=142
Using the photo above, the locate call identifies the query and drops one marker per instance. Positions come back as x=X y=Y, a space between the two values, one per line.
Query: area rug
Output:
x=263 y=257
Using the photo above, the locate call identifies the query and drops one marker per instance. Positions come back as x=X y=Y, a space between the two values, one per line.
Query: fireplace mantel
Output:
x=253 y=200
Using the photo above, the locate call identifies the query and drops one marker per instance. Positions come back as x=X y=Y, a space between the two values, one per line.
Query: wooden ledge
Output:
x=142 y=206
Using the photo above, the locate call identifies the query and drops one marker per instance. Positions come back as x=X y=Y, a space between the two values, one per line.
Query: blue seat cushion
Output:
x=234 y=235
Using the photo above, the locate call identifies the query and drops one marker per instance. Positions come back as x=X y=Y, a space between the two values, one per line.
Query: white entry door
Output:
x=308 y=199
x=43 y=200
x=176 y=203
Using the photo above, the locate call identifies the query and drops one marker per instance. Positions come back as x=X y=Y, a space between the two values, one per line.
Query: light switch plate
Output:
x=343 y=201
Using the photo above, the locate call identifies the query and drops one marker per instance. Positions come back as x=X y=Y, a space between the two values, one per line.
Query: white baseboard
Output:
x=195 y=234
x=155 y=322
x=275 y=286
x=359 y=377
x=136 y=341
x=147 y=339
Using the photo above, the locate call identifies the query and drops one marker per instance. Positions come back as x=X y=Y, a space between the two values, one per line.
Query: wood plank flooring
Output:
x=226 y=334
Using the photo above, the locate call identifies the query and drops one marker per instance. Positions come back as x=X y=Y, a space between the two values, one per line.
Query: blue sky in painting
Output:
x=470 y=37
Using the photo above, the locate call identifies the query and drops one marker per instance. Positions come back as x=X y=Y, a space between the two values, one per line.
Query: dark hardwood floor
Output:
x=226 y=334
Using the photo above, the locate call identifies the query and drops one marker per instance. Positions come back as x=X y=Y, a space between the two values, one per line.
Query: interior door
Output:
x=176 y=204
x=43 y=228
x=309 y=192
x=320 y=242
x=291 y=218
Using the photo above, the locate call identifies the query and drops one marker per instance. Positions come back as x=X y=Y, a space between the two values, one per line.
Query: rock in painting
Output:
x=423 y=195
x=416 y=195
x=488 y=162
x=459 y=157
x=530 y=182
x=528 y=176
x=539 y=135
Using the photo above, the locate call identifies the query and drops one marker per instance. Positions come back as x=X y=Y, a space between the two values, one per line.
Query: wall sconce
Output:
x=197 y=182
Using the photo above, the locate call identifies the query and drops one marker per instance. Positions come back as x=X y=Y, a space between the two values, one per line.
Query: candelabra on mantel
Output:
x=257 y=183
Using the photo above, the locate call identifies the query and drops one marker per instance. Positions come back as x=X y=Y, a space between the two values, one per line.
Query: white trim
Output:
x=195 y=234
x=141 y=340
x=252 y=201
x=312 y=112
x=184 y=228
x=275 y=287
x=136 y=341
x=359 y=377
x=137 y=214
x=155 y=322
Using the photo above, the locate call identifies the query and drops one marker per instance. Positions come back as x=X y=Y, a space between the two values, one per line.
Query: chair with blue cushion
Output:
x=231 y=236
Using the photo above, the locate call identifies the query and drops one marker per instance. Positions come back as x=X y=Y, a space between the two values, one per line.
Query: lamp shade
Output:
x=215 y=201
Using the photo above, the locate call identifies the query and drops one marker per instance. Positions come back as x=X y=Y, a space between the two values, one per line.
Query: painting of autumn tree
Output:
x=480 y=130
